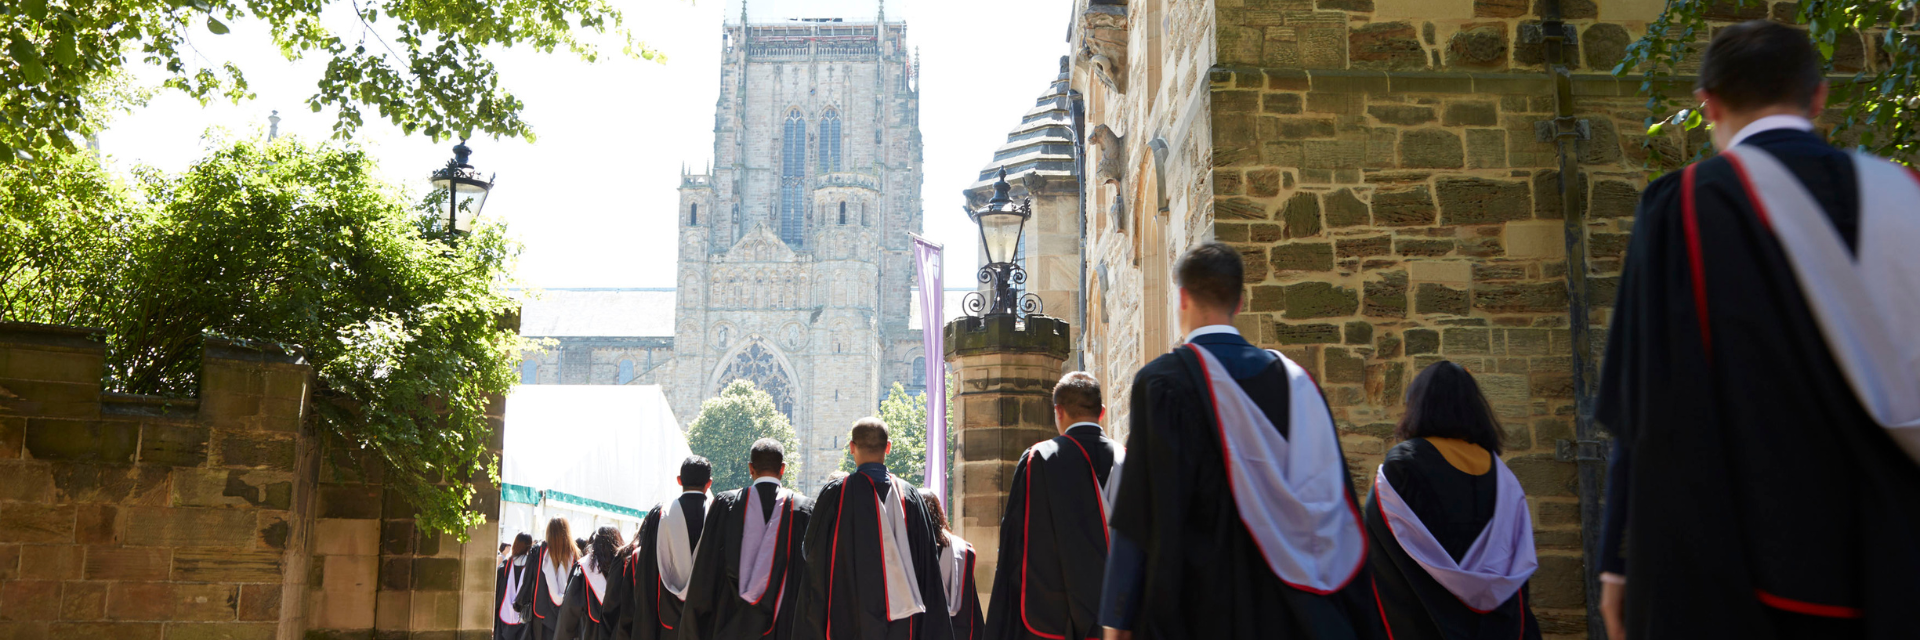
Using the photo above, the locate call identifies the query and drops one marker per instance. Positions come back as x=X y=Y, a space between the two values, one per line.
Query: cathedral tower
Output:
x=794 y=266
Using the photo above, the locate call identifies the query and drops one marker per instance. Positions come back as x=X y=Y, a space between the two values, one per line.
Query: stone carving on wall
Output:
x=1103 y=42
x=757 y=363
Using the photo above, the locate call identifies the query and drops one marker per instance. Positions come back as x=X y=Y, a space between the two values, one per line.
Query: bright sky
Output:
x=594 y=198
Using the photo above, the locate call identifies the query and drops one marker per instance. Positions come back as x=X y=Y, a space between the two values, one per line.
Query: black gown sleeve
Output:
x=643 y=618
x=934 y=624
x=696 y=620
x=573 y=609
x=1002 y=618
x=810 y=619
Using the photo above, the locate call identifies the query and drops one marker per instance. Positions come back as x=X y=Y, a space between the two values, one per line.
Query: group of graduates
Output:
x=1765 y=409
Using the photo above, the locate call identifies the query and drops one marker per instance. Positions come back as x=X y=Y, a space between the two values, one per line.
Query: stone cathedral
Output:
x=794 y=267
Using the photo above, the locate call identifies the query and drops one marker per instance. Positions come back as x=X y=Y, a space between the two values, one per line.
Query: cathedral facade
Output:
x=794 y=266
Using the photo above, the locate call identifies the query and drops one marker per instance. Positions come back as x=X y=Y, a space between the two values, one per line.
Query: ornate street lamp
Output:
x=1001 y=224
x=467 y=192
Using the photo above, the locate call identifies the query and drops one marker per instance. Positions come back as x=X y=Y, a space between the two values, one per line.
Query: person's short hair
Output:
x=1212 y=274
x=695 y=472
x=1759 y=63
x=1079 y=393
x=768 y=454
x=869 y=433
x=1444 y=401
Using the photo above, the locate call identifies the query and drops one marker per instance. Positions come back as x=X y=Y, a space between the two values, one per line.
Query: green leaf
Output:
x=1656 y=128
x=1694 y=119
x=216 y=26
x=63 y=49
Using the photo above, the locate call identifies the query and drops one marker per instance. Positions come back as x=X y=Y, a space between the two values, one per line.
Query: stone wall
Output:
x=210 y=518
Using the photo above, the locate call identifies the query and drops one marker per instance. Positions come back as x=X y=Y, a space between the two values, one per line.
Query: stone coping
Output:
x=53 y=335
x=132 y=404
x=970 y=335
x=254 y=351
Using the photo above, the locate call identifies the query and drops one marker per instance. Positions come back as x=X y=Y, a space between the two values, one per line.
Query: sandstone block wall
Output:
x=136 y=517
x=211 y=518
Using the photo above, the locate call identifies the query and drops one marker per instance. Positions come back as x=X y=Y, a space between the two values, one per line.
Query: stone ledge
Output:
x=53 y=335
x=1006 y=333
x=254 y=351
x=129 y=404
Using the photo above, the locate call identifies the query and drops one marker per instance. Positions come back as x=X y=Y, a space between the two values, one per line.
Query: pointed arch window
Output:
x=843 y=213
x=626 y=371
x=830 y=141
x=793 y=173
x=693 y=215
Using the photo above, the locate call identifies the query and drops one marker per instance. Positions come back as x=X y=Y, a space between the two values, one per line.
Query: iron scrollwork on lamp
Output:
x=1001 y=224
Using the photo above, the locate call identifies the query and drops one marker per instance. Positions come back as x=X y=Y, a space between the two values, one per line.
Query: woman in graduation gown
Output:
x=507 y=623
x=550 y=570
x=591 y=610
x=1450 y=541
x=956 y=573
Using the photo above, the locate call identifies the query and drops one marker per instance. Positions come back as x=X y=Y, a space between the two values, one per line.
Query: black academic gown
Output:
x=655 y=612
x=844 y=597
x=502 y=630
x=969 y=624
x=1762 y=500
x=588 y=615
x=534 y=589
x=1455 y=506
x=1205 y=577
x=714 y=608
x=1053 y=540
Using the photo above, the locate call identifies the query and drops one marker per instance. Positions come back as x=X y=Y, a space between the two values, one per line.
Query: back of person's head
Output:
x=1758 y=64
x=1444 y=401
x=504 y=546
x=767 y=456
x=1212 y=275
x=837 y=475
x=581 y=543
x=560 y=548
x=603 y=547
x=1078 y=393
x=695 y=473
x=521 y=543
x=938 y=514
x=869 y=435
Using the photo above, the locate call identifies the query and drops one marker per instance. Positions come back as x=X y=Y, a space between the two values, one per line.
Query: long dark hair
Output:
x=521 y=543
x=1445 y=402
x=938 y=514
x=603 y=546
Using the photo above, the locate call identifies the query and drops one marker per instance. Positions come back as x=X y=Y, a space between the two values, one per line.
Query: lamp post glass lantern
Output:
x=467 y=192
x=1001 y=225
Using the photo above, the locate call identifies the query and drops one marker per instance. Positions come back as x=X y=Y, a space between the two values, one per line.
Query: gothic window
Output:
x=920 y=372
x=529 y=372
x=693 y=215
x=793 y=174
x=863 y=214
x=757 y=365
x=626 y=371
x=830 y=141
x=843 y=213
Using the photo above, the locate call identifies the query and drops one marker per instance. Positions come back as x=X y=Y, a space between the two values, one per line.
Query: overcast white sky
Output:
x=594 y=198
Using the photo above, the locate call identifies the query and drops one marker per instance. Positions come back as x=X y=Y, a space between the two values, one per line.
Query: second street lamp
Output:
x=1001 y=225
x=467 y=192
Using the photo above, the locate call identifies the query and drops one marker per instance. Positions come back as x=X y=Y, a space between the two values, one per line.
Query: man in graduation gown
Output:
x=1760 y=375
x=1053 y=535
x=662 y=567
x=747 y=575
x=873 y=572
x=1235 y=516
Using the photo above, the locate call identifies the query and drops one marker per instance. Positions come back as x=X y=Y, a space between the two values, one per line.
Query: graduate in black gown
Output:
x=957 y=559
x=1763 y=482
x=549 y=574
x=661 y=570
x=873 y=570
x=1053 y=535
x=596 y=598
x=1202 y=547
x=1450 y=541
x=747 y=574
x=507 y=623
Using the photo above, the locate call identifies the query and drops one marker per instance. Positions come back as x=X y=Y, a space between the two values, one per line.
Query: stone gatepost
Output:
x=1006 y=367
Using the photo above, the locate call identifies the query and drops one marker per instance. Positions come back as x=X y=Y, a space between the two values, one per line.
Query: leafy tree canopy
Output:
x=729 y=424
x=423 y=65
x=281 y=242
x=1879 y=107
x=906 y=418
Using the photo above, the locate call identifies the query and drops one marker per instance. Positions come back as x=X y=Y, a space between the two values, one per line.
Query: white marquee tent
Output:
x=593 y=454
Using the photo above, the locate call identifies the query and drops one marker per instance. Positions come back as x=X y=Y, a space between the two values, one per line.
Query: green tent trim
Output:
x=528 y=495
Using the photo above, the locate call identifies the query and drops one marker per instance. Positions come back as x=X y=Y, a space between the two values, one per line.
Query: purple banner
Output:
x=928 y=268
